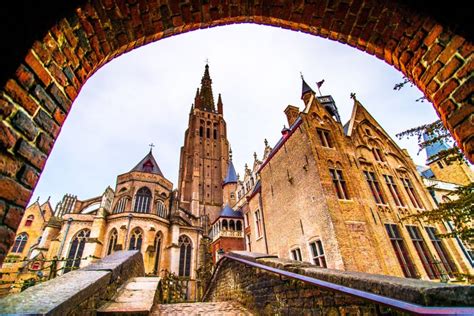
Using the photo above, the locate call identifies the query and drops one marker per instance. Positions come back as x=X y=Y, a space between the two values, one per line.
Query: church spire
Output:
x=206 y=97
x=219 y=104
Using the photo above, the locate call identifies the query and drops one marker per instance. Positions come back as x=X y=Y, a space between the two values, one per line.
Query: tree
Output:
x=460 y=211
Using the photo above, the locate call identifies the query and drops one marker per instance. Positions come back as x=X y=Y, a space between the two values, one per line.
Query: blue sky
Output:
x=144 y=97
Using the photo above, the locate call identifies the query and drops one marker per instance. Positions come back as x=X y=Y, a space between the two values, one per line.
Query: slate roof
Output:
x=149 y=165
x=231 y=176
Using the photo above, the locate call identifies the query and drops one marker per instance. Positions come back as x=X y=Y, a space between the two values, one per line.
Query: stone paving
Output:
x=211 y=308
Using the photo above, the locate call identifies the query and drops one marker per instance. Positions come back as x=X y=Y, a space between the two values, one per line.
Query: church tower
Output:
x=205 y=154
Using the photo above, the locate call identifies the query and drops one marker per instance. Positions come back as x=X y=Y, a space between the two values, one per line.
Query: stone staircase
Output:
x=200 y=308
x=136 y=297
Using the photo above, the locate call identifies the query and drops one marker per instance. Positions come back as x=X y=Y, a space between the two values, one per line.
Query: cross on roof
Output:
x=151 y=146
x=353 y=96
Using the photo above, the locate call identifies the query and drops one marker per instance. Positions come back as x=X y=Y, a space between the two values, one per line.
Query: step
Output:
x=228 y=308
x=136 y=297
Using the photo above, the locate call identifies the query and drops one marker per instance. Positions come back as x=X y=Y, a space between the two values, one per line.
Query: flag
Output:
x=320 y=83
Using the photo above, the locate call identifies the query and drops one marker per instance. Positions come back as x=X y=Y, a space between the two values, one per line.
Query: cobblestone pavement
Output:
x=212 y=308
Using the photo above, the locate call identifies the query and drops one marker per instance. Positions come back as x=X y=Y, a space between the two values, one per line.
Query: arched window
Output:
x=120 y=206
x=112 y=241
x=142 y=200
x=208 y=133
x=239 y=225
x=201 y=131
x=185 y=250
x=136 y=240
x=20 y=243
x=215 y=134
x=76 y=249
x=225 y=226
x=161 y=209
x=232 y=224
x=157 y=246
x=29 y=220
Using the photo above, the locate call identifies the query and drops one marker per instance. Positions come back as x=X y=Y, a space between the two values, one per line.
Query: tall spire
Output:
x=434 y=148
x=305 y=87
x=219 y=104
x=206 y=97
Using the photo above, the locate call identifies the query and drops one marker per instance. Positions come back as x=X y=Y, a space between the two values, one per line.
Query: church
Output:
x=326 y=193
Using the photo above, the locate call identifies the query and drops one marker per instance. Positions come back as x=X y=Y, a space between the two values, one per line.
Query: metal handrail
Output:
x=375 y=298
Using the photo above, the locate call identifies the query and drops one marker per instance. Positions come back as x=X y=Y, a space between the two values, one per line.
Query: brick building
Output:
x=326 y=193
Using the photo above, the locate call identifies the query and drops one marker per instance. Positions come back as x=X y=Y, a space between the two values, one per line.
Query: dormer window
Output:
x=148 y=166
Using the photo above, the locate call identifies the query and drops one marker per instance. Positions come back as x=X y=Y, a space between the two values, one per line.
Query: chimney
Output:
x=292 y=113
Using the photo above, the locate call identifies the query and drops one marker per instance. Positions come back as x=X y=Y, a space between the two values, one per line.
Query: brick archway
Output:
x=37 y=97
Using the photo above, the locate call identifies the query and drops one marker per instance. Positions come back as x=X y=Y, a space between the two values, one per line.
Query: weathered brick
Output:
x=59 y=116
x=32 y=154
x=451 y=48
x=58 y=74
x=445 y=91
x=47 y=123
x=20 y=96
x=3 y=208
x=14 y=192
x=44 y=98
x=8 y=138
x=464 y=130
x=13 y=217
x=432 y=35
x=464 y=91
x=25 y=77
x=7 y=236
x=38 y=68
x=460 y=114
x=432 y=53
x=24 y=124
x=42 y=52
x=446 y=108
x=466 y=70
x=9 y=166
x=28 y=176
x=60 y=97
x=430 y=72
x=6 y=108
x=44 y=143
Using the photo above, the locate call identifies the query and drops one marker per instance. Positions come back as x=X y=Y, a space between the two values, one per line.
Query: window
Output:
x=76 y=250
x=440 y=164
x=258 y=223
x=142 y=200
x=112 y=241
x=231 y=225
x=238 y=226
x=324 y=138
x=423 y=252
x=443 y=254
x=215 y=134
x=377 y=154
x=411 y=192
x=249 y=246
x=246 y=220
x=392 y=187
x=29 y=220
x=20 y=243
x=232 y=195
x=401 y=251
x=208 y=133
x=296 y=254
x=201 y=131
x=161 y=209
x=185 y=250
x=339 y=184
x=318 y=253
x=120 y=206
x=136 y=240
x=157 y=247
x=374 y=187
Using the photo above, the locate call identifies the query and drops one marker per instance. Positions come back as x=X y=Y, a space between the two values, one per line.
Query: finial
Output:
x=246 y=166
x=255 y=155
x=151 y=147
x=265 y=141
x=301 y=74
x=37 y=199
x=353 y=96
x=207 y=61
x=230 y=153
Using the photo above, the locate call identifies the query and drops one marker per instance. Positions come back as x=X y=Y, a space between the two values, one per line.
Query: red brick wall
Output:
x=36 y=99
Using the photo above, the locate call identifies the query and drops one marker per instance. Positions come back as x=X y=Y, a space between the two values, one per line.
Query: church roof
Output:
x=148 y=164
x=227 y=211
x=425 y=172
x=231 y=176
x=434 y=148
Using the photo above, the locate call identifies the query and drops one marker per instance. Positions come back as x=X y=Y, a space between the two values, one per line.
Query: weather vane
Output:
x=353 y=96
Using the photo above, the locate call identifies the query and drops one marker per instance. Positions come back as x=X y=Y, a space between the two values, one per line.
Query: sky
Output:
x=144 y=97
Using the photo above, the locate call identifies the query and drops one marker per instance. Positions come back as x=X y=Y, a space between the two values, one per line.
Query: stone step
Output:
x=136 y=297
x=208 y=308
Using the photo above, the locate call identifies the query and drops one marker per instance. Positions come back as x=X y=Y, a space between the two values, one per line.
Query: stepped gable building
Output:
x=326 y=193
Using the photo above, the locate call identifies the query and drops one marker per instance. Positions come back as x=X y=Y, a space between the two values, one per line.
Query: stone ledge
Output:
x=420 y=292
x=77 y=292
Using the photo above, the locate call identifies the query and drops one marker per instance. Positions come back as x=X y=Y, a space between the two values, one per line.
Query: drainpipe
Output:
x=69 y=222
x=260 y=204
x=130 y=216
